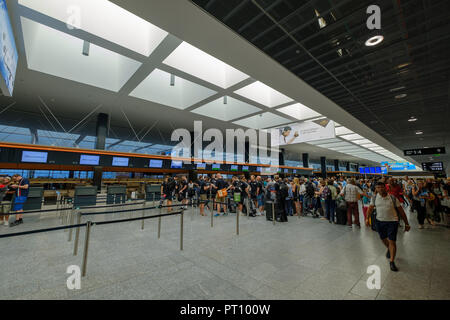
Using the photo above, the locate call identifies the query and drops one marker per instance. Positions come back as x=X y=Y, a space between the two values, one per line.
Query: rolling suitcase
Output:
x=341 y=215
x=268 y=209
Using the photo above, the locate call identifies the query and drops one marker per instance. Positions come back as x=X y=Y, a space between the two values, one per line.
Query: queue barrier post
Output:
x=159 y=224
x=77 y=235
x=86 y=248
x=181 y=229
x=72 y=216
x=212 y=215
x=237 y=222
x=143 y=214
x=273 y=212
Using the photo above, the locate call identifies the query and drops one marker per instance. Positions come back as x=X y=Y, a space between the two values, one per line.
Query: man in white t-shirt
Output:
x=388 y=210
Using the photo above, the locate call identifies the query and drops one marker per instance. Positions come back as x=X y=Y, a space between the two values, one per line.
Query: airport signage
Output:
x=8 y=52
x=424 y=151
x=432 y=166
x=303 y=132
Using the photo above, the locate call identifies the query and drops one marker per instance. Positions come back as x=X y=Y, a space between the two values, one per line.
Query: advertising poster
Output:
x=8 y=54
x=303 y=132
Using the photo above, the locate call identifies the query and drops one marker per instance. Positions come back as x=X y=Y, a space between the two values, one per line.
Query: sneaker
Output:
x=216 y=215
x=6 y=223
x=393 y=266
x=388 y=254
x=323 y=218
x=16 y=223
x=421 y=226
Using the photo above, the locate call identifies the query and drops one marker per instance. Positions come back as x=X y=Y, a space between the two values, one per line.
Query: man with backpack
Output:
x=330 y=201
x=308 y=199
x=388 y=210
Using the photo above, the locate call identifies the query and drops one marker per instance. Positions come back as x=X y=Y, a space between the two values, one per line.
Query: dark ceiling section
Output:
x=413 y=59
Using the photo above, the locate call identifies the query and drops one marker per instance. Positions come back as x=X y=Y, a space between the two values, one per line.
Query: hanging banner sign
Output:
x=303 y=132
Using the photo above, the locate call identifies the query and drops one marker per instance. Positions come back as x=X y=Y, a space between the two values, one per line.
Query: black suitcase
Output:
x=268 y=209
x=341 y=215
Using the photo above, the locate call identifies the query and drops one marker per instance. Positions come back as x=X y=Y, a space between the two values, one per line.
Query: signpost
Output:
x=433 y=166
x=424 y=151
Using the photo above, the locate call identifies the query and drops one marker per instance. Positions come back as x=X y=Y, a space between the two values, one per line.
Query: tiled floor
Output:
x=303 y=259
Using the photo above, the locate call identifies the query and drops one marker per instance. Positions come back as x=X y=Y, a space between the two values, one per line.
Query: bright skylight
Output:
x=263 y=120
x=183 y=94
x=233 y=109
x=263 y=94
x=299 y=111
x=105 y=20
x=191 y=60
x=59 y=54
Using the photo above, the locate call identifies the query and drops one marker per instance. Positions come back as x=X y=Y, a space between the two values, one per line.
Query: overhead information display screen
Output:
x=234 y=168
x=156 y=163
x=433 y=166
x=424 y=151
x=120 y=162
x=361 y=170
x=201 y=166
x=89 y=160
x=34 y=156
x=8 y=52
x=245 y=168
x=216 y=166
x=176 y=164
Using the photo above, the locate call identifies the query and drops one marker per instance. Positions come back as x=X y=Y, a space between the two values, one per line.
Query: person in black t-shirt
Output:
x=242 y=187
x=260 y=195
x=213 y=189
x=167 y=191
x=221 y=184
x=253 y=190
x=204 y=185
x=182 y=191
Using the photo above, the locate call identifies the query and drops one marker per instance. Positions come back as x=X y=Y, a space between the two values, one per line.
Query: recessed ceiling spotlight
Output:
x=397 y=89
x=419 y=132
x=401 y=96
x=403 y=65
x=412 y=119
x=373 y=41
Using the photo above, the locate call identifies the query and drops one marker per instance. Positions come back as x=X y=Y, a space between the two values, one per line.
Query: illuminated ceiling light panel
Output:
x=299 y=111
x=193 y=61
x=370 y=145
x=346 y=149
x=362 y=141
x=232 y=110
x=335 y=144
x=105 y=20
x=263 y=120
x=343 y=130
x=59 y=54
x=263 y=94
x=351 y=137
x=183 y=94
x=324 y=141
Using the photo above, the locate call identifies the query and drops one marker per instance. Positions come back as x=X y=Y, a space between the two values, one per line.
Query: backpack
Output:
x=284 y=191
x=309 y=189
x=326 y=193
x=272 y=195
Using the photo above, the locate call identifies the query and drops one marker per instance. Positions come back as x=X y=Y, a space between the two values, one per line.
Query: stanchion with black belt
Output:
x=273 y=212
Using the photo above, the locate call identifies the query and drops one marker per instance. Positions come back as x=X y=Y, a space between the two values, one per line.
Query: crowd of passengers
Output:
x=320 y=198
